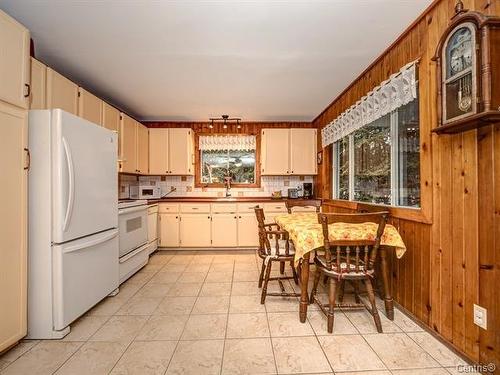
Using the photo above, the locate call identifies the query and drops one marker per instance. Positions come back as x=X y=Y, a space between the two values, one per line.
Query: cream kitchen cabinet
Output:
x=288 y=151
x=195 y=229
x=61 y=92
x=38 y=85
x=14 y=163
x=152 y=227
x=224 y=225
x=303 y=146
x=248 y=231
x=134 y=146
x=14 y=62
x=110 y=117
x=271 y=210
x=89 y=106
x=142 y=148
x=169 y=230
x=171 y=151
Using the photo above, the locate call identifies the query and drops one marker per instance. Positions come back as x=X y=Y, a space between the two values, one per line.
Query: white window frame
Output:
x=394 y=167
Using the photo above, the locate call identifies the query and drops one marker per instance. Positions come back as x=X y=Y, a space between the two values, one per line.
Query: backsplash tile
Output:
x=184 y=186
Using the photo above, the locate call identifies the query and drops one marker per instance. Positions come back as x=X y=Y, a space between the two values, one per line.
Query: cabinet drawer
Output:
x=248 y=207
x=195 y=208
x=223 y=207
x=275 y=207
x=168 y=208
x=153 y=209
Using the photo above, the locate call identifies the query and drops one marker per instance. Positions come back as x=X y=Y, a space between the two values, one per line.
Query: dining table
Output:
x=306 y=234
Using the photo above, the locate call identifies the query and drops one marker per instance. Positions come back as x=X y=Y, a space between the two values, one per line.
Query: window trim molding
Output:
x=197 y=163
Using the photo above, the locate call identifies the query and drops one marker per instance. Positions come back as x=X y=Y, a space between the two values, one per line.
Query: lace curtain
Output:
x=227 y=142
x=398 y=90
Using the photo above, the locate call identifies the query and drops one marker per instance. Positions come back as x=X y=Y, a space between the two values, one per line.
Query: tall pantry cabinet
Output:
x=14 y=164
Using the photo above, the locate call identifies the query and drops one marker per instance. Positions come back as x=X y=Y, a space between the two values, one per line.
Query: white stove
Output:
x=133 y=237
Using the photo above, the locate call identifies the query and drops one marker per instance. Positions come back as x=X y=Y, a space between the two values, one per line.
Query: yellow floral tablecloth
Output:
x=307 y=235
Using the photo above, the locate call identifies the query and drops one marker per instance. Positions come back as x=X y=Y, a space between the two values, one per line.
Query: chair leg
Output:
x=317 y=275
x=325 y=280
x=282 y=268
x=261 y=276
x=266 y=280
x=355 y=285
x=371 y=298
x=294 y=273
x=341 y=290
x=331 y=299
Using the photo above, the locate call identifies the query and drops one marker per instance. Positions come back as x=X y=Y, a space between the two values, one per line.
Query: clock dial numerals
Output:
x=459 y=51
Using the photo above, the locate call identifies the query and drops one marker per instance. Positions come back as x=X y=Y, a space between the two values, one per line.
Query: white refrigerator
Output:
x=73 y=220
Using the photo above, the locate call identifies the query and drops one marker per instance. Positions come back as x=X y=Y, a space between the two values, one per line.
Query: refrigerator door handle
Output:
x=91 y=243
x=71 y=183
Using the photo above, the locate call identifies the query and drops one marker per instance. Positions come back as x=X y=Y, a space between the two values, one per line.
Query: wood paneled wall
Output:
x=246 y=127
x=453 y=257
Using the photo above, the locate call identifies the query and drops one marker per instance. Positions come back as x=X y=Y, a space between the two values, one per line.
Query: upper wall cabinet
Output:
x=110 y=117
x=171 y=151
x=38 y=85
x=89 y=106
x=134 y=146
x=288 y=151
x=61 y=93
x=14 y=62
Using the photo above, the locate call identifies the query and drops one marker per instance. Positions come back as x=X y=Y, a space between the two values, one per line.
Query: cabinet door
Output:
x=303 y=151
x=169 y=230
x=248 y=231
x=180 y=151
x=158 y=151
x=110 y=117
x=13 y=224
x=128 y=141
x=225 y=230
x=89 y=106
x=38 y=84
x=61 y=93
x=142 y=148
x=275 y=151
x=152 y=226
x=195 y=230
x=14 y=61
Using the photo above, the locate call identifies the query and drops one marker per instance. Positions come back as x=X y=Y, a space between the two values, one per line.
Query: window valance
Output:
x=397 y=91
x=227 y=142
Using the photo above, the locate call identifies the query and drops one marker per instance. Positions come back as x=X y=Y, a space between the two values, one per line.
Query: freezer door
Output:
x=84 y=272
x=84 y=178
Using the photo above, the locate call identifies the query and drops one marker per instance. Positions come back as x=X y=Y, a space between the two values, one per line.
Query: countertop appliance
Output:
x=145 y=192
x=293 y=193
x=308 y=190
x=133 y=237
x=73 y=235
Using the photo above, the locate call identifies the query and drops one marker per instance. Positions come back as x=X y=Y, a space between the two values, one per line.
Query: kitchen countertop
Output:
x=218 y=200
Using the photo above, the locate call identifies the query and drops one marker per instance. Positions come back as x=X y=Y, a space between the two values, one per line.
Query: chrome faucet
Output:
x=227 y=181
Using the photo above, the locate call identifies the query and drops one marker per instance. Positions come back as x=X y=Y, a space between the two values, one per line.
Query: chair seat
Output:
x=343 y=271
x=281 y=248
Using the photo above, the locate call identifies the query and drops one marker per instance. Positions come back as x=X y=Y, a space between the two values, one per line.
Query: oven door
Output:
x=133 y=227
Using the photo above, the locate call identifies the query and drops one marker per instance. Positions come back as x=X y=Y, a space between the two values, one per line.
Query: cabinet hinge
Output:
x=79 y=94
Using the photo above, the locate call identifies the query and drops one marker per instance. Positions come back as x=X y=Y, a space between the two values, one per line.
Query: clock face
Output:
x=459 y=51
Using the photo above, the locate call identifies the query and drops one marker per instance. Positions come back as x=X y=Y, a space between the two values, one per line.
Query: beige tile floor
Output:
x=200 y=313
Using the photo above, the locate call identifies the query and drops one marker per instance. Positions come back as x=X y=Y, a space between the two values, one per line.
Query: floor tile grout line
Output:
x=184 y=328
x=227 y=320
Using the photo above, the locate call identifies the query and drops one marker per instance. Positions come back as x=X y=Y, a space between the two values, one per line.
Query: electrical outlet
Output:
x=480 y=316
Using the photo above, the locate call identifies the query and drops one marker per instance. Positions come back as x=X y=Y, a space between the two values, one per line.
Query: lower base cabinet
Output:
x=195 y=230
x=225 y=230
x=248 y=232
x=169 y=230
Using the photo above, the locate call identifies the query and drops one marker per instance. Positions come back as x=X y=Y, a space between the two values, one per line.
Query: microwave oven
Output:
x=145 y=192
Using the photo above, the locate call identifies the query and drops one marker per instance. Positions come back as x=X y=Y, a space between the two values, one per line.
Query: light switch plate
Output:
x=480 y=316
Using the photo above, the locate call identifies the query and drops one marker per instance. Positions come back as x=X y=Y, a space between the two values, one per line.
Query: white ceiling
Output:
x=190 y=60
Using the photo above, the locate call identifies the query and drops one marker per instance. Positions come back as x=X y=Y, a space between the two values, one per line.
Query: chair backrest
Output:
x=316 y=203
x=271 y=242
x=358 y=255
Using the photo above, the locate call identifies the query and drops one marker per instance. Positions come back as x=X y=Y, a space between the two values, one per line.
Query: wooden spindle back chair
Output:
x=349 y=260
x=290 y=204
x=274 y=246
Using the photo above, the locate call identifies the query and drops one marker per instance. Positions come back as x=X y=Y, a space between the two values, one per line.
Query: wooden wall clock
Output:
x=468 y=74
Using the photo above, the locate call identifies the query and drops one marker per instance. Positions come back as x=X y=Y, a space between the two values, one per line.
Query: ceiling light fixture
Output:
x=226 y=120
